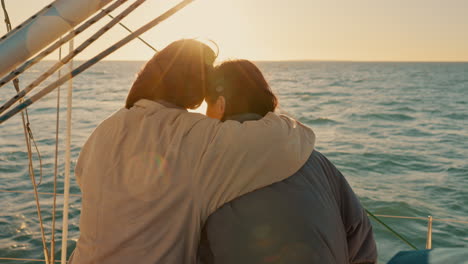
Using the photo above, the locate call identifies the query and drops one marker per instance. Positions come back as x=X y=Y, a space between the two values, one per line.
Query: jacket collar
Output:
x=244 y=117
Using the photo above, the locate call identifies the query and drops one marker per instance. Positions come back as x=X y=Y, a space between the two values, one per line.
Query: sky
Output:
x=357 y=30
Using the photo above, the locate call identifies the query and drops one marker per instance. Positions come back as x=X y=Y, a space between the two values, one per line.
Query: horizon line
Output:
x=313 y=60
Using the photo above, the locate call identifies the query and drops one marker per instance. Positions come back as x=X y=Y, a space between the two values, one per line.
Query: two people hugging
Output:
x=241 y=184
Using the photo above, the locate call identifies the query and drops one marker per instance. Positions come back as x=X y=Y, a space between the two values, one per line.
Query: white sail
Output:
x=47 y=27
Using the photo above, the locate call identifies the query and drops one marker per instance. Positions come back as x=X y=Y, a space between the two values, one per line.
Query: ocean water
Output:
x=397 y=131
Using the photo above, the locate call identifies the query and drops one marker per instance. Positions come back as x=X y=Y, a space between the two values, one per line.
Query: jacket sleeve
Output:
x=359 y=234
x=247 y=156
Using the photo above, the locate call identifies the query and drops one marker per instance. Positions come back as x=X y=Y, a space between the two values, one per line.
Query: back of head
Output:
x=244 y=88
x=177 y=74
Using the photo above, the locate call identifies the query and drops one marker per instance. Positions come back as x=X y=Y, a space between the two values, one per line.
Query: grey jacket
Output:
x=311 y=217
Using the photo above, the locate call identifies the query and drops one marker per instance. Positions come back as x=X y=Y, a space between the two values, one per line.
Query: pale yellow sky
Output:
x=359 y=30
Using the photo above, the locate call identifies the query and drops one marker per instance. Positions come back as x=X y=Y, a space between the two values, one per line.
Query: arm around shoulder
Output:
x=254 y=154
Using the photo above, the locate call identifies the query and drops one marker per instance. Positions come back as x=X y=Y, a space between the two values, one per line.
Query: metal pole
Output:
x=391 y=230
x=70 y=56
x=40 y=32
x=91 y=62
x=54 y=204
x=66 y=187
x=429 y=233
x=12 y=75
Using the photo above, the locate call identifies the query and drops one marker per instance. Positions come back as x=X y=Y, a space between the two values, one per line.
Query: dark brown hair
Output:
x=177 y=74
x=243 y=86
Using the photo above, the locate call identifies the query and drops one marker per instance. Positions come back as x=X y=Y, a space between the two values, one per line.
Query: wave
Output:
x=335 y=84
x=315 y=94
x=331 y=102
x=389 y=103
x=404 y=109
x=284 y=81
x=414 y=132
x=96 y=73
x=319 y=121
x=359 y=81
x=384 y=116
x=457 y=116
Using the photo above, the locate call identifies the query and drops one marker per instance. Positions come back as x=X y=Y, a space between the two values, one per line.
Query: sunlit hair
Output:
x=244 y=88
x=177 y=74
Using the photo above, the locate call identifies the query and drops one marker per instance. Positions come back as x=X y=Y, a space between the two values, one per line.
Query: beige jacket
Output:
x=151 y=175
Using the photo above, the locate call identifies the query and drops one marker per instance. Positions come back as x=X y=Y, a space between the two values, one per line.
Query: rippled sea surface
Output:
x=397 y=131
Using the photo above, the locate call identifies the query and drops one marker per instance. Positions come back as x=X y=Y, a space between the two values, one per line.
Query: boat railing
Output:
x=430 y=219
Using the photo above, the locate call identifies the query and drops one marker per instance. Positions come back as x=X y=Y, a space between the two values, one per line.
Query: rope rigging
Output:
x=71 y=55
x=129 y=30
x=391 y=230
x=16 y=85
x=7 y=18
x=54 y=205
x=89 y=63
x=12 y=75
x=28 y=134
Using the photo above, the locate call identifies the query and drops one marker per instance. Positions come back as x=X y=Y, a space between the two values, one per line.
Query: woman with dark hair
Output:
x=151 y=173
x=311 y=217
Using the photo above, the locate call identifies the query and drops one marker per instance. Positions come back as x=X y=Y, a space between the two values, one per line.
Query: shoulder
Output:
x=318 y=171
x=317 y=160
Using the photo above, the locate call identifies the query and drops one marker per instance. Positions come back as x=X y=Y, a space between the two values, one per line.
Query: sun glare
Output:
x=219 y=21
x=201 y=109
